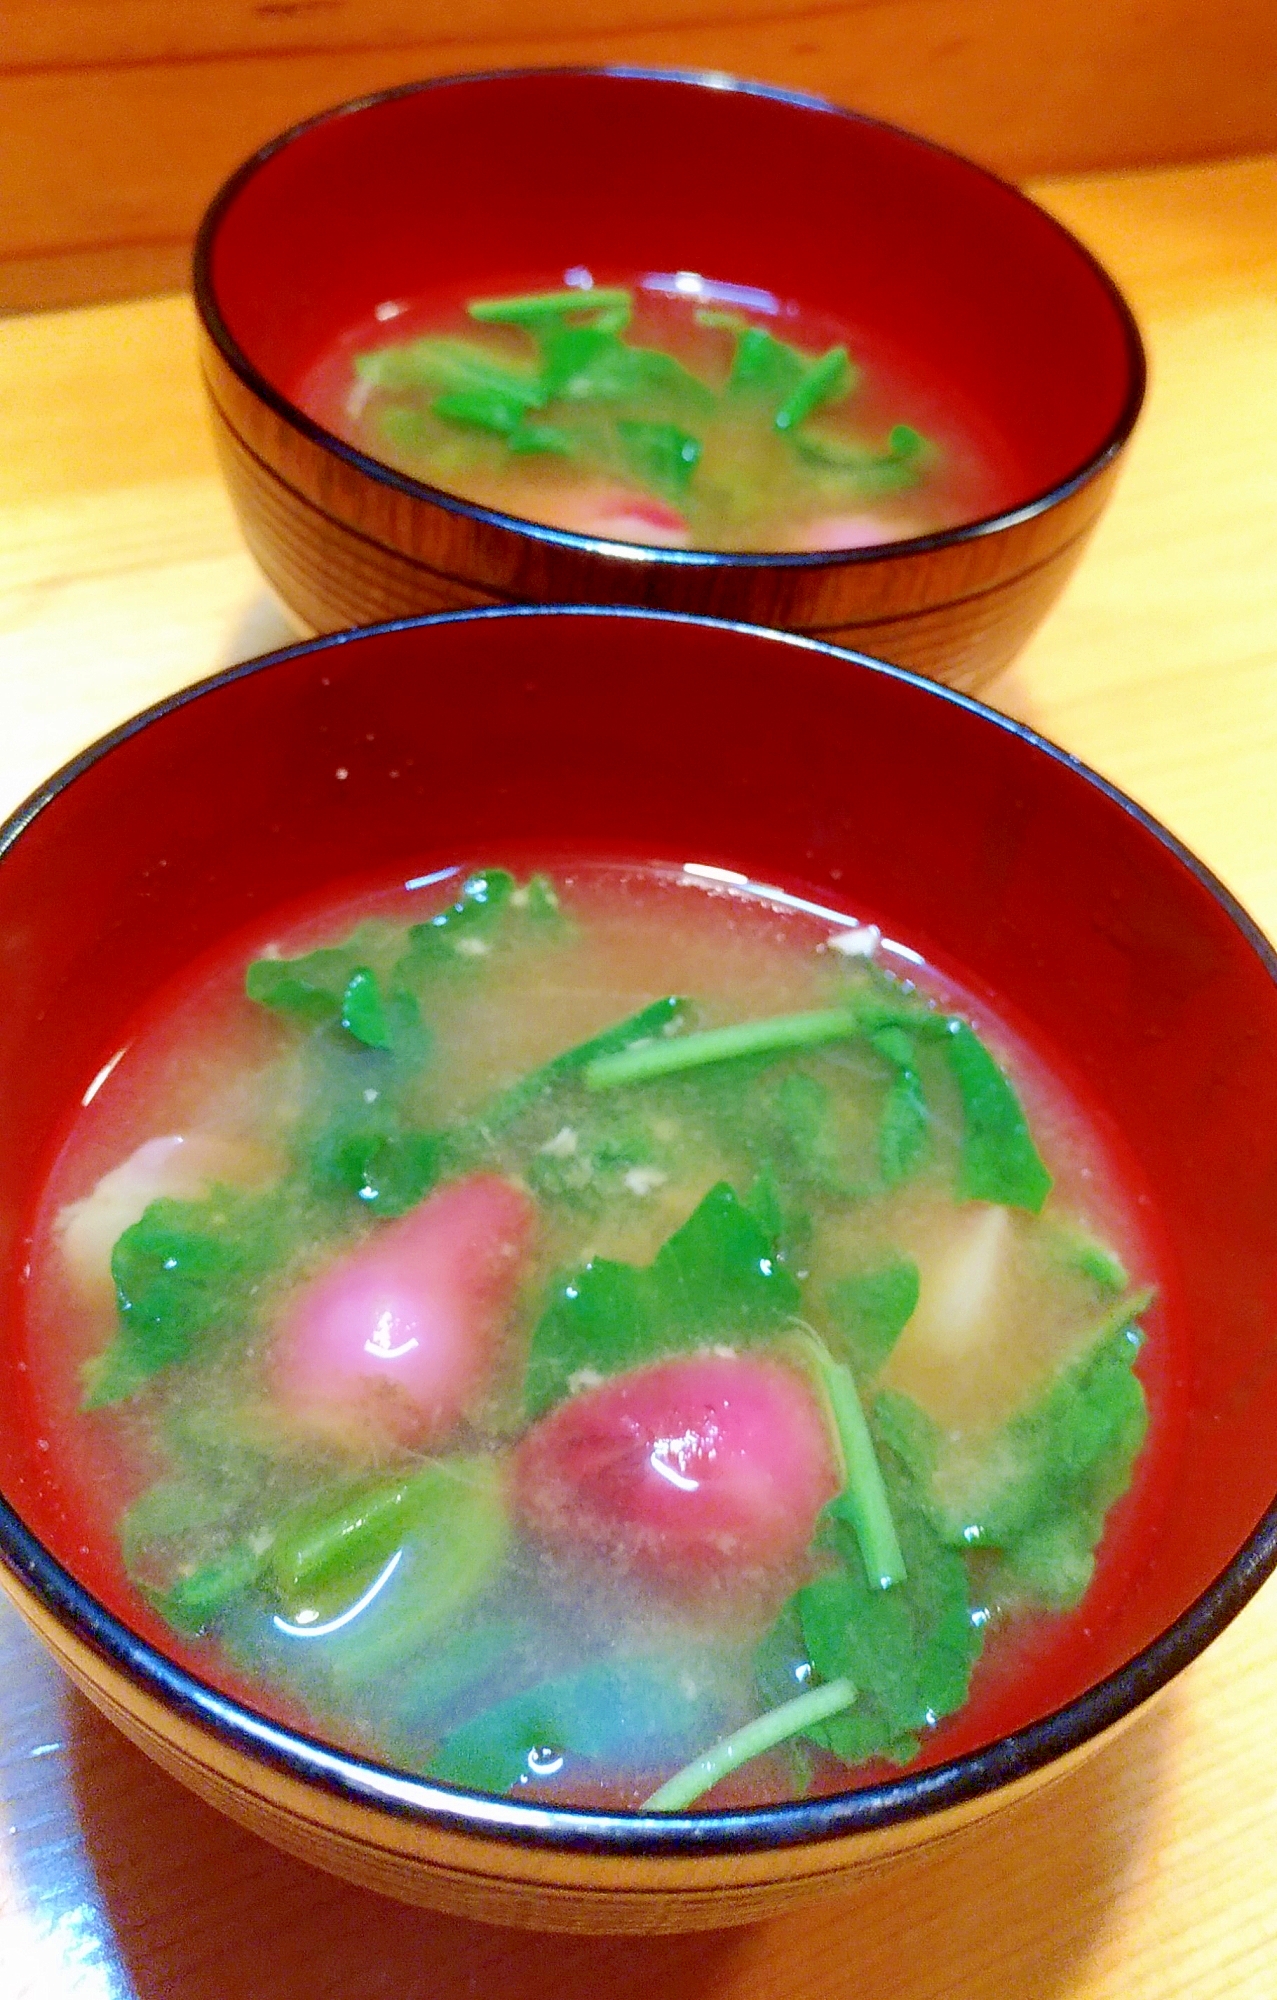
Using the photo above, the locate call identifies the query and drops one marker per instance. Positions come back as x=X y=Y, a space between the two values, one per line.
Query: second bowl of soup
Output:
x=661 y=340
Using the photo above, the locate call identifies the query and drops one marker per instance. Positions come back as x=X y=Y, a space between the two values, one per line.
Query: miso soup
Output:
x=670 y=411
x=614 y=1334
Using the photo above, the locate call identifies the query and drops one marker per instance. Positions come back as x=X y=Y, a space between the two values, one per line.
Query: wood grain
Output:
x=345 y=542
x=1153 y=1874
x=1146 y=1875
x=342 y=549
x=119 y=118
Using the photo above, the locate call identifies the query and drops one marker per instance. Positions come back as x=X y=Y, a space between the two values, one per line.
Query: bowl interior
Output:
x=414 y=745
x=489 y=183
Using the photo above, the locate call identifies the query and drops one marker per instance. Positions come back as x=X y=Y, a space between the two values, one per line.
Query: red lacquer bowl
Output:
x=467 y=180
x=854 y=784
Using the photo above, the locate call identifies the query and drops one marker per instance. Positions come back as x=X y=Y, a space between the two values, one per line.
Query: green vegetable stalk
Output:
x=863 y=1500
x=776 y=1036
x=743 y=1745
x=588 y=393
x=663 y=1018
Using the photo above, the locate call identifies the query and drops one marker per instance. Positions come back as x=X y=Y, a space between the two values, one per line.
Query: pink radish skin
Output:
x=393 y=1343
x=616 y=515
x=710 y=1469
x=830 y=532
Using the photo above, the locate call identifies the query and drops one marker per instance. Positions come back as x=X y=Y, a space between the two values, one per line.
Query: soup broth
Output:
x=672 y=411
x=617 y=1336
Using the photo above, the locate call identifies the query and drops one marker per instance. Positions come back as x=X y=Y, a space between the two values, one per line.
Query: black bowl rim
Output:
x=637 y=552
x=914 y=1796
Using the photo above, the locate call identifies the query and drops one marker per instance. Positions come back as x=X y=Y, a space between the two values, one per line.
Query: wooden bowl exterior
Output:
x=495 y=1880
x=342 y=548
x=616 y=732
x=1027 y=333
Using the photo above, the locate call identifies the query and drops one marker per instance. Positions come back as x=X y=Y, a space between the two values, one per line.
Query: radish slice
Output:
x=393 y=1343
x=962 y=1284
x=617 y=515
x=182 y=1166
x=848 y=531
x=707 y=1469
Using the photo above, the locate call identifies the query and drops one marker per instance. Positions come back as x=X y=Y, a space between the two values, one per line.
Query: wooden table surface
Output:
x=1150 y=1875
